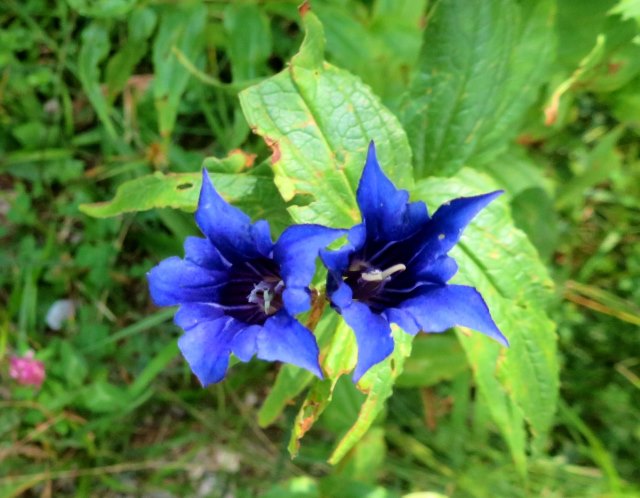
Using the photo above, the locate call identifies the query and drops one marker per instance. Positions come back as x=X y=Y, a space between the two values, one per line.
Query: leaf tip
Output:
x=94 y=209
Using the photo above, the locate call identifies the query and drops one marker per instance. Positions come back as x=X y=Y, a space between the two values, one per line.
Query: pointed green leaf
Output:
x=122 y=64
x=252 y=191
x=181 y=26
x=95 y=47
x=480 y=68
x=171 y=190
x=249 y=41
x=318 y=121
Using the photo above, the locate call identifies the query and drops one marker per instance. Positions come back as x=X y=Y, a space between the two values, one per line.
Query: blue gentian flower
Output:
x=238 y=291
x=395 y=268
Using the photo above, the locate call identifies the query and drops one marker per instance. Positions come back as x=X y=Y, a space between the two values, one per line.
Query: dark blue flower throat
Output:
x=378 y=281
x=254 y=291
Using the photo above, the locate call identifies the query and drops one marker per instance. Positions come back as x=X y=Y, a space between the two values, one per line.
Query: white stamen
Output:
x=263 y=295
x=372 y=276
x=381 y=276
x=263 y=288
x=267 y=300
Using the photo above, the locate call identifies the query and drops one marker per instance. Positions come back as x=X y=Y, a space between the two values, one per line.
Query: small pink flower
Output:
x=27 y=370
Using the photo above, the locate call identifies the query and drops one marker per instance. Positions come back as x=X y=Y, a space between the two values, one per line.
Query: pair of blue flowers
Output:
x=239 y=292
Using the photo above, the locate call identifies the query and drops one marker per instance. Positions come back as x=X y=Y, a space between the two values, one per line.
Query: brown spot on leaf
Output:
x=551 y=111
x=275 y=149
x=306 y=424
x=249 y=159
x=304 y=8
x=614 y=67
x=527 y=139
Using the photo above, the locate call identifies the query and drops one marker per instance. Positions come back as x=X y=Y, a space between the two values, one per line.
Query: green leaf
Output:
x=534 y=213
x=364 y=40
x=159 y=190
x=95 y=47
x=597 y=52
x=597 y=166
x=252 y=191
x=299 y=487
x=104 y=397
x=480 y=68
x=122 y=64
x=367 y=459
x=249 y=43
x=159 y=362
x=628 y=9
x=290 y=382
x=530 y=191
x=378 y=384
x=434 y=358
x=524 y=172
x=587 y=64
x=520 y=382
x=104 y=9
x=75 y=365
x=318 y=121
x=182 y=27
x=507 y=415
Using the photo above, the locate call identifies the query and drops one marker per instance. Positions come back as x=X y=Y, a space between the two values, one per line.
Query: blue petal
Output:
x=283 y=338
x=337 y=261
x=403 y=319
x=386 y=211
x=227 y=227
x=452 y=217
x=191 y=314
x=445 y=228
x=373 y=335
x=207 y=346
x=261 y=234
x=342 y=296
x=296 y=252
x=296 y=300
x=439 y=308
x=245 y=343
x=176 y=281
x=203 y=253
x=438 y=271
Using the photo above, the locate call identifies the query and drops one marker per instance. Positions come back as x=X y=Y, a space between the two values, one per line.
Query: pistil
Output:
x=381 y=276
x=263 y=294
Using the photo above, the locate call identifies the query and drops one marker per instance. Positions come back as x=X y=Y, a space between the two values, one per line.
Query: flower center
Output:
x=264 y=294
x=368 y=283
x=254 y=291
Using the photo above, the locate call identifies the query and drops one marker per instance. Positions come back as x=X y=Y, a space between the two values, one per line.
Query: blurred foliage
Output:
x=541 y=99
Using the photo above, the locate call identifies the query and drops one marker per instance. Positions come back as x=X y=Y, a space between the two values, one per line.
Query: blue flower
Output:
x=394 y=268
x=238 y=291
